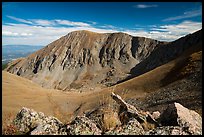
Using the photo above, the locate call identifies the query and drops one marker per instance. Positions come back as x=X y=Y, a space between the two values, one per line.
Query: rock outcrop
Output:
x=167 y=130
x=175 y=120
x=177 y=115
x=126 y=110
x=83 y=126
x=31 y=122
x=132 y=127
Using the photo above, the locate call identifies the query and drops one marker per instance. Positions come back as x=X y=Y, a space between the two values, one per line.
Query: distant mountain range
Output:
x=11 y=52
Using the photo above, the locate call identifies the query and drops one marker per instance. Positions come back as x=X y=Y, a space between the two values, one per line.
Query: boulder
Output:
x=175 y=120
x=167 y=130
x=38 y=131
x=32 y=122
x=81 y=125
x=133 y=127
x=126 y=110
x=178 y=115
x=156 y=115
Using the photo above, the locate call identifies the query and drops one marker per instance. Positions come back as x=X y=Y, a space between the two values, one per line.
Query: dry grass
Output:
x=189 y=68
x=19 y=92
x=47 y=77
x=148 y=126
x=8 y=128
x=58 y=112
x=110 y=119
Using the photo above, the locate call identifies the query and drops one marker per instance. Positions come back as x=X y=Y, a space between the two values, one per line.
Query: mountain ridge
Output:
x=88 y=59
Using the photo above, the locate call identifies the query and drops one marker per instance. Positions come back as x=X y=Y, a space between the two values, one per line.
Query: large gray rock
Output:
x=175 y=120
x=127 y=111
x=81 y=125
x=133 y=127
x=167 y=130
x=156 y=115
x=178 y=115
x=28 y=120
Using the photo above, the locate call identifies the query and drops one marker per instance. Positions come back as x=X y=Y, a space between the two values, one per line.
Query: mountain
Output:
x=84 y=59
x=11 y=52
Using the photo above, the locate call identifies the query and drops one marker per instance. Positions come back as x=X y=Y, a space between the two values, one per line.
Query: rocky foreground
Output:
x=175 y=120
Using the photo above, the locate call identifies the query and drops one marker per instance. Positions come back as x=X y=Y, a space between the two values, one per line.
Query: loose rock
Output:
x=177 y=115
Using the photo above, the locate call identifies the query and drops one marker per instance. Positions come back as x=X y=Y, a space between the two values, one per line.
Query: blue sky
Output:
x=39 y=23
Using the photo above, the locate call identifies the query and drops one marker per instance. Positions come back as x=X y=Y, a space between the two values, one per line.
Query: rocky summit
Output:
x=175 y=120
x=84 y=59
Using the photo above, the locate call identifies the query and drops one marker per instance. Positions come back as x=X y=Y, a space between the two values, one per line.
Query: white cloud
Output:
x=56 y=22
x=39 y=35
x=170 y=32
x=108 y=26
x=181 y=28
x=20 y=20
x=42 y=22
x=42 y=35
x=143 y=6
x=71 y=23
x=25 y=34
x=11 y=34
x=188 y=14
x=92 y=22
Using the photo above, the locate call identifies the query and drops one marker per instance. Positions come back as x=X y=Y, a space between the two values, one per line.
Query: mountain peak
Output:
x=83 y=32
